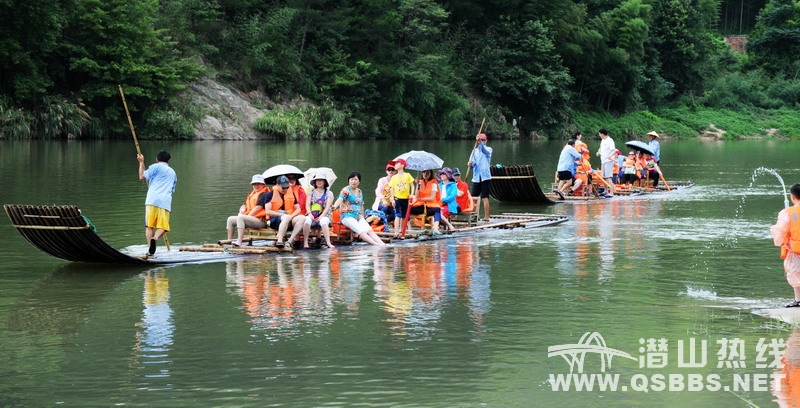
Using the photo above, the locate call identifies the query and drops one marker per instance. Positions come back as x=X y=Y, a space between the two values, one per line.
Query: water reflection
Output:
x=59 y=302
x=598 y=233
x=155 y=332
x=787 y=389
x=413 y=286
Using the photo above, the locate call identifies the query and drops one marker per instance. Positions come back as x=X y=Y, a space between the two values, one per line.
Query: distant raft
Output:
x=519 y=184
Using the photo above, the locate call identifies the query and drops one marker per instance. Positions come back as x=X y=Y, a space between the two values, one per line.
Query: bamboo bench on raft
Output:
x=339 y=235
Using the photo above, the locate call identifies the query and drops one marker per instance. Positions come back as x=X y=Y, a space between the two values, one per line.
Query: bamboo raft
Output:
x=63 y=232
x=519 y=184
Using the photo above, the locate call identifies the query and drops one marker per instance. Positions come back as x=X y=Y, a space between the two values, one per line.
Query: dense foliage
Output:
x=397 y=68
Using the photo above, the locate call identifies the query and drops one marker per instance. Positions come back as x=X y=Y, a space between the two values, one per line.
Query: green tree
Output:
x=519 y=68
x=683 y=37
x=30 y=34
x=619 y=76
x=115 y=42
x=775 y=41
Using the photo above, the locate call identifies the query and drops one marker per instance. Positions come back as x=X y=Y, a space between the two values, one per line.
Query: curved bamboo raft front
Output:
x=517 y=183
x=61 y=231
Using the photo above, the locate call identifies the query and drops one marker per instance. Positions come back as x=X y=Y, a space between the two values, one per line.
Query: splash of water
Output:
x=764 y=170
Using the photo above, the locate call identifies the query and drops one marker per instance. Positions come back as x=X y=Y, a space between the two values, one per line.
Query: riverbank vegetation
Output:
x=403 y=68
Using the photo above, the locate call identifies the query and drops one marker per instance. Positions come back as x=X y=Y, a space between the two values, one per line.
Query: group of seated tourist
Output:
x=288 y=208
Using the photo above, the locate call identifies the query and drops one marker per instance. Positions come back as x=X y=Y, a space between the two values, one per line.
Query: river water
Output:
x=447 y=323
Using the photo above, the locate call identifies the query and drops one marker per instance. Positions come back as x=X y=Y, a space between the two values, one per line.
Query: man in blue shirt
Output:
x=161 y=181
x=480 y=161
x=655 y=147
x=566 y=167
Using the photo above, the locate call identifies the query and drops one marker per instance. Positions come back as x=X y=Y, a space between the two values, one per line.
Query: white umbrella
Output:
x=421 y=160
x=273 y=172
x=326 y=172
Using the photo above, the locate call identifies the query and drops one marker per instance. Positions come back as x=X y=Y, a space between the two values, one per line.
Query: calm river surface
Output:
x=442 y=324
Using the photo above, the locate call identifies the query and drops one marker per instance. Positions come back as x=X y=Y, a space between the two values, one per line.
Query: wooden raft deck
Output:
x=62 y=232
x=627 y=192
x=262 y=244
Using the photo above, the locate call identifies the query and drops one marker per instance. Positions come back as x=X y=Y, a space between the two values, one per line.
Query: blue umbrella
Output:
x=421 y=160
x=640 y=146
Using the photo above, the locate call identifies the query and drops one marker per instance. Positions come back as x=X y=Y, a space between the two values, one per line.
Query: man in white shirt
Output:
x=607 y=153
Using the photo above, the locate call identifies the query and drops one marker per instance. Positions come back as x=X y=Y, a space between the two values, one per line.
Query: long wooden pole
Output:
x=472 y=152
x=130 y=121
x=136 y=141
x=661 y=175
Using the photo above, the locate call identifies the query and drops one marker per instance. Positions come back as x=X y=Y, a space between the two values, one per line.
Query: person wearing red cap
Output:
x=480 y=162
x=383 y=193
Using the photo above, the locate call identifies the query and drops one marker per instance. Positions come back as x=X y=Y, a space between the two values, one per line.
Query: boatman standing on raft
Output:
x=161 y=181
x=786 y=234
x=480 y=162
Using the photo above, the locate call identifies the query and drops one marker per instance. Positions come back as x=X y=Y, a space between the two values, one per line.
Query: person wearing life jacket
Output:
x=580 y=146
x=428 y=200
x=298 y=190
x=581 y=174
x=283 y=210
x=383 y=193
x=630 y=169
x=251 y=215
x=463 y=195
x=786 y=234
x=652 y=172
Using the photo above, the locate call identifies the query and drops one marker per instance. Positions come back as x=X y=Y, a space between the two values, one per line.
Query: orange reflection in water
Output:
x=412 y=285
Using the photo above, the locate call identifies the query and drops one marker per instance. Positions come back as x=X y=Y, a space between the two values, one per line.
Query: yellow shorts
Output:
x=156 y=217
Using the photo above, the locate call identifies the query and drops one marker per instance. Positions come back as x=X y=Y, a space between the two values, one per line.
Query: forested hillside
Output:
x=396 y=68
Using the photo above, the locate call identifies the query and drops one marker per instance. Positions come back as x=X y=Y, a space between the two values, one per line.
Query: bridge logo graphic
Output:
x=590 y=342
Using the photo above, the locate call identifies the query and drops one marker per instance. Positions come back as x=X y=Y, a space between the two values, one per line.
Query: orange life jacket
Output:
x=582 y=148
x=629 y=166
x=425 y=191
x=583 y=171
x=464 y=201
x=252 y=200
x=792 y=239
x=282 y=203
x=300 y=193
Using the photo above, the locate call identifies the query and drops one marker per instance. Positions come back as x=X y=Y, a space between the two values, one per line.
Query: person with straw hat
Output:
x=655 y=147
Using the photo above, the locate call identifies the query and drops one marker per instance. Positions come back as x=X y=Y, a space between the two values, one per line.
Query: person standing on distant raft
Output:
x=607 y=154
x=480 y=162
x=786 y=234
x=566 y=168
x=655 y=147
x=161 y=181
